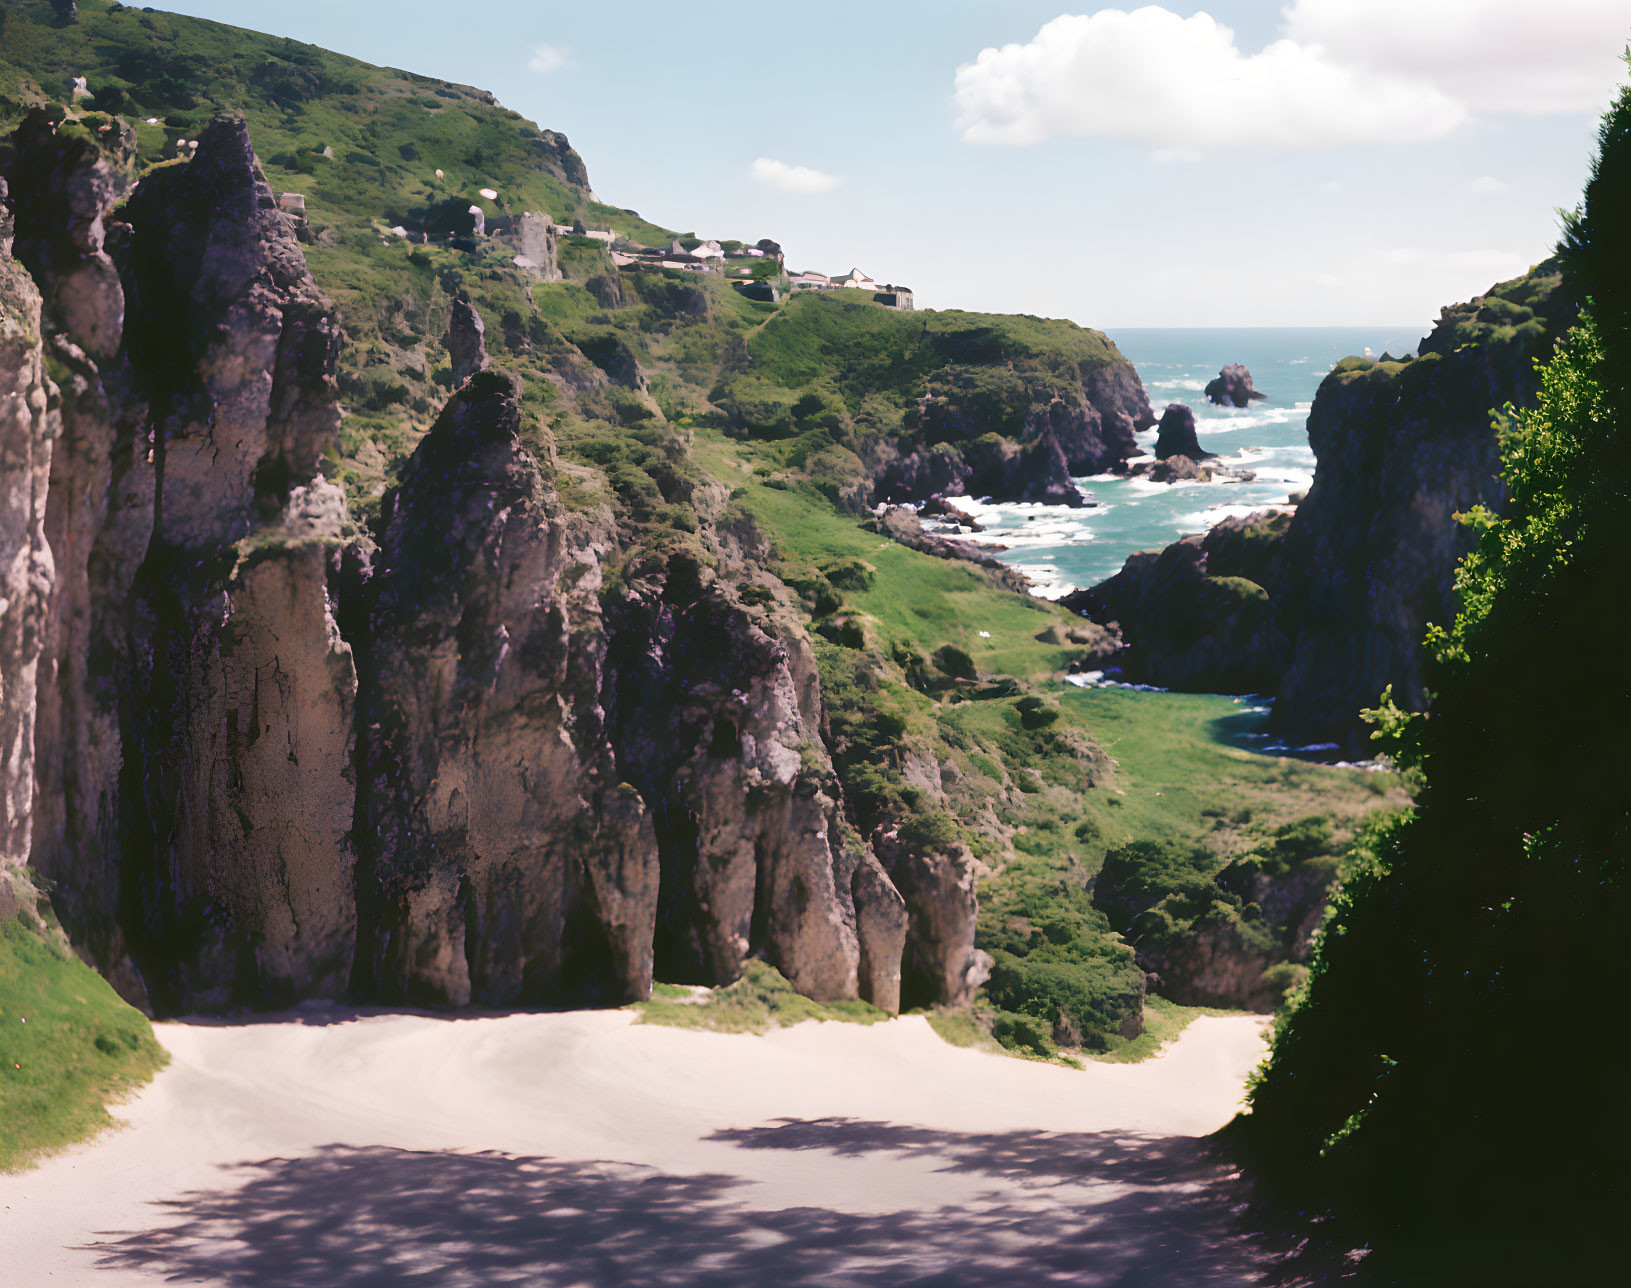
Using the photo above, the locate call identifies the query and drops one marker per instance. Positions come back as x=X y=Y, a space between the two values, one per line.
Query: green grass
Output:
x=870 y=349
x=1095 y=769
x=758 y=1002
x=915 y=599
x=878 y=364
x=1164 y=1022
x=68 y=1046
x=1179 y=778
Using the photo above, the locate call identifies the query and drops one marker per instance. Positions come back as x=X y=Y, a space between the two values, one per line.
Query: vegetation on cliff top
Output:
x=1405 y=1089
x=68 y=1045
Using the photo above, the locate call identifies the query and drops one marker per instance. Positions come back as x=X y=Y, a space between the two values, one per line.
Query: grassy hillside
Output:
x=1041 y=779
x=673 y=400
x=828 y=351
x=68 y=1045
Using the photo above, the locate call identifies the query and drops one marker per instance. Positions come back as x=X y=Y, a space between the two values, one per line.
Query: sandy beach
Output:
x=329 y=1147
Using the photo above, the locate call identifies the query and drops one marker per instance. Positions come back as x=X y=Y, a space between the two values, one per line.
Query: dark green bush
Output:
x=1136 y=877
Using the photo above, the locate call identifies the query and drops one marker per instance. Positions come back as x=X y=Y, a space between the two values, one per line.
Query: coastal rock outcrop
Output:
x=1013 y=436
x=903 y=524
x=192 y=808
x=940 y=965
x=97 y=520
x=1232 y=387
x=1176 y=435
x=1199 y=615
x=716 y=713
x=1335 y=601
x=536 y=240
x=1176 y=469
x=1403 y=447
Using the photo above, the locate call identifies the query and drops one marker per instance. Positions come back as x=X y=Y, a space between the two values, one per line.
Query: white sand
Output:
x=276 y=1153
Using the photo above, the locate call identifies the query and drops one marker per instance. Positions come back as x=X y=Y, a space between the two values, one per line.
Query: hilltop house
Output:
x=855 y=279
x=895 y=297
x=704 y=250
x=810 y=282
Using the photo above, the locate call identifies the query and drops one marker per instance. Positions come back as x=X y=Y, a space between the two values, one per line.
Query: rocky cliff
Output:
x=1013 y=435
x=478 y=754
x=938 y=404
x=1196 y=615
x=1329 y=608
x=29 y=421
x=1402 y=448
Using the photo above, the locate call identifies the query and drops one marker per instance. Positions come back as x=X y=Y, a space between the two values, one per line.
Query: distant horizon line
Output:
x=1273 y=326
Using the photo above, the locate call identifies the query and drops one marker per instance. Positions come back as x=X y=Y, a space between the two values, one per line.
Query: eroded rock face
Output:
x=28 y=424
x=718 y=723
x=278 y=761
x=64 y=186
x=1176 y=469
x=940 y=965
x=98 y=519
x=1402 y=449
x=1369 y=560
x=466 y=341
x=1233 y=387
x=504 y=858
x=535 y=235
x=235 y=710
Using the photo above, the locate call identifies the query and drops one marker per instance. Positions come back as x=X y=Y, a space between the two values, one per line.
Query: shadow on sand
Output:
x=1077 y=1208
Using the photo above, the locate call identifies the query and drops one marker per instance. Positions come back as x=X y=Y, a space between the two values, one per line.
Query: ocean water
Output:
x=1062 y=549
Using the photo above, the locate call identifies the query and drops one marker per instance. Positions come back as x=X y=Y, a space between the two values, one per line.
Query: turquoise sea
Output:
x=1062 y=548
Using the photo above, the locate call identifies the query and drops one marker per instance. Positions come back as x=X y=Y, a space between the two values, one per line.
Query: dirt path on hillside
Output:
x=343 y=1151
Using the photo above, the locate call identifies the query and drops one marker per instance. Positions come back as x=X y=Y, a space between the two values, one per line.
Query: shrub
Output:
x=1136 y=877
x=1023 y=1033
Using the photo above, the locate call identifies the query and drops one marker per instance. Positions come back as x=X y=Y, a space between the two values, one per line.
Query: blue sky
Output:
x=1321 y=162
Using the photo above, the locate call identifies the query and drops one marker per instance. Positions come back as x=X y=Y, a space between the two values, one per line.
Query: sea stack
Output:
x=1233 y=387
x=1176 y=436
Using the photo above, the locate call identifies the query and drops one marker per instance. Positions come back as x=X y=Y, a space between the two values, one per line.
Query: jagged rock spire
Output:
x=466 y=342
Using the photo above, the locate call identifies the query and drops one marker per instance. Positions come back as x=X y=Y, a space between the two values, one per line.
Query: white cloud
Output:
x=792 y=178
x=1345 y=71
x=1503 y=57
x=1487 y=184
x=1181 y=84
x=547 y=58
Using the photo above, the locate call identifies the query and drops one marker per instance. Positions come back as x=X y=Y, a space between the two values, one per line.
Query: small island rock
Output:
x=1233 y=387
x=1176 y=436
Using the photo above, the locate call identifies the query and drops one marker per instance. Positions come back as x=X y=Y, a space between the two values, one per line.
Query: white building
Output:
x=855 y=279
x=810 y=282
x=704 y=250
